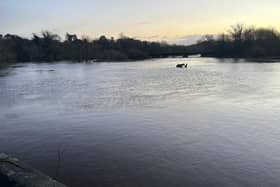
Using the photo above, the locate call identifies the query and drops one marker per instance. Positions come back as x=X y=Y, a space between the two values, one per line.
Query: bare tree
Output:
x=236 y=32
x=249 y=34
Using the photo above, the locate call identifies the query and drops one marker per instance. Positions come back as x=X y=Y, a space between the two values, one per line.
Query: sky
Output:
x=174 y=21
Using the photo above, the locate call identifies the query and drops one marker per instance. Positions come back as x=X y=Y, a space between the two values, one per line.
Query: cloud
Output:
x=185 y=40
x=149 y=38
x=179 y=40
x=143 y=23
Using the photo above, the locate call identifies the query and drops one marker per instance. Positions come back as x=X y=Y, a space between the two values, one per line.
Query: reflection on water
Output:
x=145 y=123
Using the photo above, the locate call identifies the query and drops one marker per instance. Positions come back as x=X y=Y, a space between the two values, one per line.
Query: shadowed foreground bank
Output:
x=13 y=173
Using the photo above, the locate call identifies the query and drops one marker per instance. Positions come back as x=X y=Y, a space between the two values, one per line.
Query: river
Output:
x=145 y=123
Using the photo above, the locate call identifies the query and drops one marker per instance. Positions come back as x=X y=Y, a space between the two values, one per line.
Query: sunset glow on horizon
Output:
x=149 y=20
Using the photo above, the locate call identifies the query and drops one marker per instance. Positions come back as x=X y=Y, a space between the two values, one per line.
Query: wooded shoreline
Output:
x=239 y=42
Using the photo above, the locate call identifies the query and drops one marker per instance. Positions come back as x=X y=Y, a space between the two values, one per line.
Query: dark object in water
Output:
x=182 y=66
x=15 y=173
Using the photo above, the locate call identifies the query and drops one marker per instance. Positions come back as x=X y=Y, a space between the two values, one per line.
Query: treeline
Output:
x=241 y=42
x=48 y=47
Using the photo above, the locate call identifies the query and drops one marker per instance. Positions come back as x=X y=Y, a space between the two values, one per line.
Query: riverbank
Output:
x=16 y=173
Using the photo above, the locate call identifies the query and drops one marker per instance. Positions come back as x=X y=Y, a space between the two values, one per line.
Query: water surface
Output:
x=145 y=123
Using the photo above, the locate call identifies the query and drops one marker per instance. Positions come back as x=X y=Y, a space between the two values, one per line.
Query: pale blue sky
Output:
x=169 y=20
